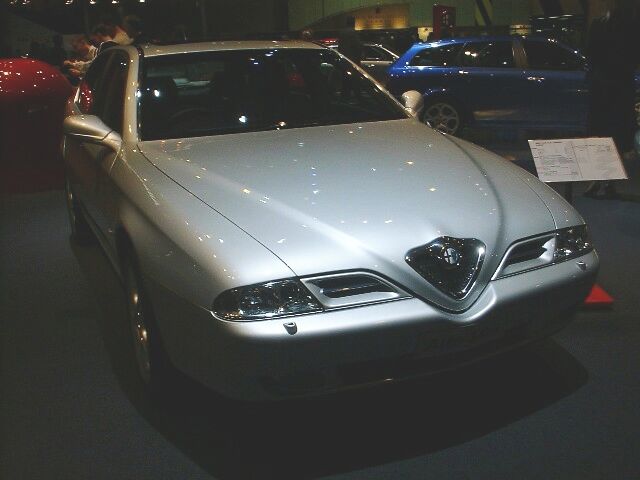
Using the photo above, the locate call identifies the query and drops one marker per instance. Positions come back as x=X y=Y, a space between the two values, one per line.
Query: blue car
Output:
x=506 y=81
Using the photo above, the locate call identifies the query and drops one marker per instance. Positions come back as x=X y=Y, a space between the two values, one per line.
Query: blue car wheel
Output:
x=443 y=115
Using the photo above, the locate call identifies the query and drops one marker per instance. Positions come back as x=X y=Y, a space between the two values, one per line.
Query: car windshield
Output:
x=214 y=93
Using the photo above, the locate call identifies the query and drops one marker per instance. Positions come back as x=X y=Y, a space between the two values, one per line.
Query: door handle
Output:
x=535 y=79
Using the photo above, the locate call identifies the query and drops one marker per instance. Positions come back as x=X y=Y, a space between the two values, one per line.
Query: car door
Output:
x=376 y=60
x=555 y=84
x=93 y=161
x=492 y=81
x=80 y=169
x=427 y=69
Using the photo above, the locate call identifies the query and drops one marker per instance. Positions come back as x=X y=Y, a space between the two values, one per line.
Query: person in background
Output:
x=121 y=37
x=613 y=56
x=86 y=49
x=134 y=28
x=101 y=33
x=129 y=31
x=85 y=52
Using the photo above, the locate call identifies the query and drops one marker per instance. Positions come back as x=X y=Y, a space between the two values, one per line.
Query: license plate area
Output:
x=441 y=342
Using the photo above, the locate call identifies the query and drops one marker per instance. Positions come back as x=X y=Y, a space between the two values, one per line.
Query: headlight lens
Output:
x=265 y=300
x=572 y=242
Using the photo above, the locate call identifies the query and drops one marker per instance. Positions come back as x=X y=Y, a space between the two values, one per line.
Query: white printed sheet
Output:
x=577 y=159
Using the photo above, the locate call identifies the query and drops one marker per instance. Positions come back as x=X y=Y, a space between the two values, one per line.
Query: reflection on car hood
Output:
x=357 y=196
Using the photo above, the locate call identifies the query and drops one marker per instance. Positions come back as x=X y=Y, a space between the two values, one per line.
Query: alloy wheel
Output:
x=443 y=117
x=71 y=207
x=139 y=326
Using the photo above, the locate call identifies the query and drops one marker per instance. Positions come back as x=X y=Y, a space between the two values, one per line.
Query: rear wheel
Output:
x=444 y=116
x=80 y=231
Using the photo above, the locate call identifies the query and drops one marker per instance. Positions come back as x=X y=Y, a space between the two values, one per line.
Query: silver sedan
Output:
x=285 y=227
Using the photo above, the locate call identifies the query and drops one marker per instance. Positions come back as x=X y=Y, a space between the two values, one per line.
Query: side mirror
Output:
x=413 y=102
x=90 y=128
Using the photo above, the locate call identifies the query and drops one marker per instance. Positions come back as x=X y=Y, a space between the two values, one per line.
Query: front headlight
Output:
x=572 y=242
x=265 y=300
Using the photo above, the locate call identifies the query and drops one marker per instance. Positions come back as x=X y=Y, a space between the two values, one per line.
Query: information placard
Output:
x=577 y=159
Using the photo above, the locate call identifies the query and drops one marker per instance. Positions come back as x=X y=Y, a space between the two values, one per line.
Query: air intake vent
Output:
x=526 y=255
x=348 y=289
x=346 y=286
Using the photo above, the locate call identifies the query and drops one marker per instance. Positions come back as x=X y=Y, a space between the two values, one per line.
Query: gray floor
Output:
x=70 y=407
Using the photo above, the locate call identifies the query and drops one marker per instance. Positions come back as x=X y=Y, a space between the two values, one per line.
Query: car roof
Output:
x=480 y=38
x=489 y=38
x=152 y=50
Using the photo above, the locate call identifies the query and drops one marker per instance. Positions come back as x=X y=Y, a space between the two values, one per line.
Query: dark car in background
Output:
x=376 y=59
x=514 y=81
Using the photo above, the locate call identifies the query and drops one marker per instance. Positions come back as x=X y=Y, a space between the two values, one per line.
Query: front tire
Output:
x=443 y=115
x=150 y=360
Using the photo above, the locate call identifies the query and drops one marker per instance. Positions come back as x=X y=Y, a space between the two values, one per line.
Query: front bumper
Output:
x=357 y=346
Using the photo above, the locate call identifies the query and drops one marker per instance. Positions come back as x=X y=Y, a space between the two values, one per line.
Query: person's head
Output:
x=306 y=35
x=101 y=33
x=132 y=25
x=81 y=45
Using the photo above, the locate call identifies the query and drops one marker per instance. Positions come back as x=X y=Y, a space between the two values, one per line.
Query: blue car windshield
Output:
x=213 y=93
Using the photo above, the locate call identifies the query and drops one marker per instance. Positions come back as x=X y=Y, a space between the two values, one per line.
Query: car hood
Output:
x=358 y=196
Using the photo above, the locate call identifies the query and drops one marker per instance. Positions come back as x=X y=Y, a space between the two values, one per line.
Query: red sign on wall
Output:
x=444 y=21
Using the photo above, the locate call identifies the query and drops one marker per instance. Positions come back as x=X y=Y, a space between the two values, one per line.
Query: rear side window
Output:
x=550 y=56
x=487 y=54
x=444 y=56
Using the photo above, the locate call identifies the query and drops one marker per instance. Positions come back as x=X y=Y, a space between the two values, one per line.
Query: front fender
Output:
x=182 y=243
x=436 y=91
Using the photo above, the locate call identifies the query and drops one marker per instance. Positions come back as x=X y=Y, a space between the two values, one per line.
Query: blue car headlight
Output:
x=265 y=300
